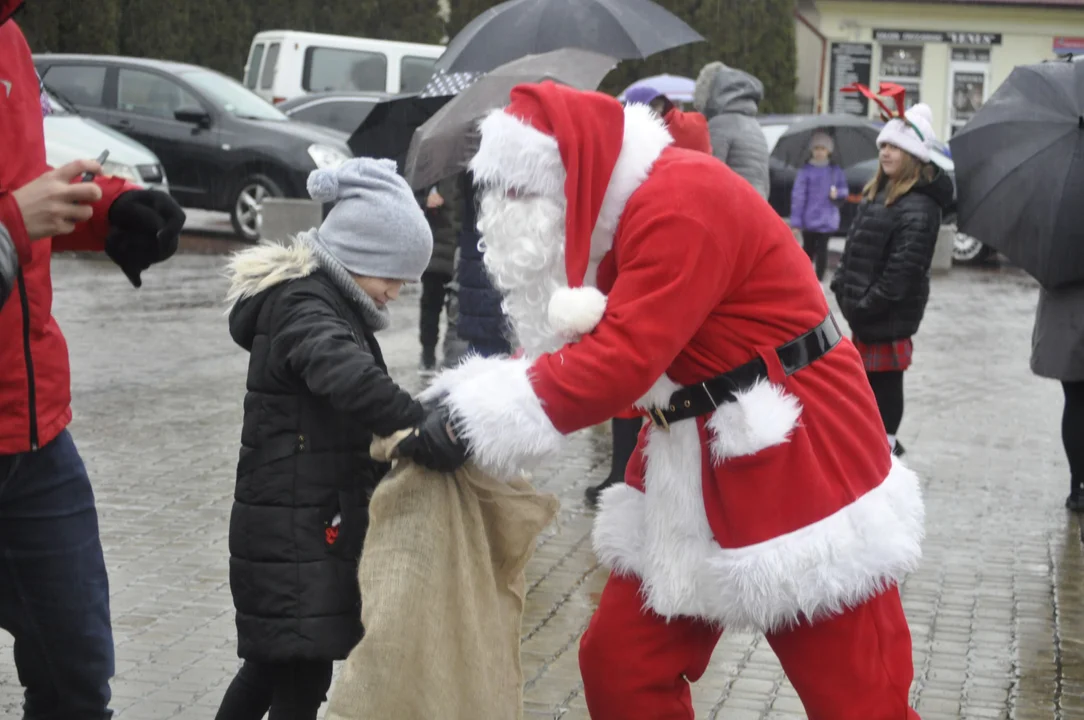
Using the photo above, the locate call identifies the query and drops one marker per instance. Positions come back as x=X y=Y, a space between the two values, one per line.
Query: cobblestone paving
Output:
x=996 y=609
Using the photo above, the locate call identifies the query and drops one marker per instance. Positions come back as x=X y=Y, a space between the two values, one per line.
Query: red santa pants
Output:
x=637 y=666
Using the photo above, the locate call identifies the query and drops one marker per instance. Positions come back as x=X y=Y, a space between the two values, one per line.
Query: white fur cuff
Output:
x=495 y=409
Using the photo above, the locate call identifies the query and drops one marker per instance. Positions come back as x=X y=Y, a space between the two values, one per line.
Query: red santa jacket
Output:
x=35 y=382
x=784 y=504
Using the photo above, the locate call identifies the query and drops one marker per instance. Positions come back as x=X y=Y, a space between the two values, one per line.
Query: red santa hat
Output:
x=555 y=141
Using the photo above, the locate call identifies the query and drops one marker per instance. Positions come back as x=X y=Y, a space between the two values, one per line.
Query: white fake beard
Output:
x=524 y=240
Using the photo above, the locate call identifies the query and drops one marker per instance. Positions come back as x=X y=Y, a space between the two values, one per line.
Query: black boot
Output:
x=898 y=450
x=626 y=433
x=1075 y=501
x=428 y=366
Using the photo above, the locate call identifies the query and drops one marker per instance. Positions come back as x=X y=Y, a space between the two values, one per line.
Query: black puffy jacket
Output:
x=883 y=280
x=9 y=264
x=317 y=390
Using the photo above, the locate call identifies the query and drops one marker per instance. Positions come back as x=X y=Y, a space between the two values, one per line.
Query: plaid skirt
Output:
x=885 y=357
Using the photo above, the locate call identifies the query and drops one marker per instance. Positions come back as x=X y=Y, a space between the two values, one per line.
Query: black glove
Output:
x=146 y=225
x=430 y=445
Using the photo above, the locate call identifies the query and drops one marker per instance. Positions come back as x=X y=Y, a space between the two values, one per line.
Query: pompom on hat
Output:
x=556 y=141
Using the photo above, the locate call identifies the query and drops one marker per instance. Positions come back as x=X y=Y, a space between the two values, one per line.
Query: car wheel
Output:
x=248 y=196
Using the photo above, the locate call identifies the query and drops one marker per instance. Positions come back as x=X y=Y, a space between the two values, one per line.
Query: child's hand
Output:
x=434 y=200
x=833 y=193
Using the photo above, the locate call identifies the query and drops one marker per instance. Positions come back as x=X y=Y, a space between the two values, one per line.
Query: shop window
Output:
x=902 y=64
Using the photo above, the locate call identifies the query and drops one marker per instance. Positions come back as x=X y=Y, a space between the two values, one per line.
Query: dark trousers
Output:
x=1072 y=434
x=291 y=691
x=888 y=389
x=816 y=247
x=54 y=593
x=434 y=291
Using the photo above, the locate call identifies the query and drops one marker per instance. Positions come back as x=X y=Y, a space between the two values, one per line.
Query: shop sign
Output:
x=1069 y=45
x=850 y=64
x=951 y=36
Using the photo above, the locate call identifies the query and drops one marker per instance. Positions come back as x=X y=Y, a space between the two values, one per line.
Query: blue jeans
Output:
x=54 y=593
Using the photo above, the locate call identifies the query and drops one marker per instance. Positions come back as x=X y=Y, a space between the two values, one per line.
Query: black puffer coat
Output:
x=883 y=280
x=317 y=391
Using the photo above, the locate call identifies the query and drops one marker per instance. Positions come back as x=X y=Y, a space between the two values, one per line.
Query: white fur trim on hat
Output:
x=897 y=132
x=576 y=311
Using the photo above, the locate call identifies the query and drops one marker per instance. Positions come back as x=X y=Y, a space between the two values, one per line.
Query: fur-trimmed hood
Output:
x=255 y=270
x=723 y=89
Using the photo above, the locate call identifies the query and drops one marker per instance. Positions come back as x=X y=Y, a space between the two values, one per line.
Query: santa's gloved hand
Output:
x=432 y=443
x=145 y=229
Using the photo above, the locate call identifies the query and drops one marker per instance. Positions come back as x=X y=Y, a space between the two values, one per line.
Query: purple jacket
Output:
x=811 y=204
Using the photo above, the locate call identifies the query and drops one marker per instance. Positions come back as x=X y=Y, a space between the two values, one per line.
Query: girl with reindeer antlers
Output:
x=882 y=283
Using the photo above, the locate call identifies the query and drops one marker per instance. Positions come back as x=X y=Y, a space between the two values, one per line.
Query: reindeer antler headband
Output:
x=888 y=90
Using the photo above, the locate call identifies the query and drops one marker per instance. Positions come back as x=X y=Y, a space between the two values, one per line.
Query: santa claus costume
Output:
x=763 y=494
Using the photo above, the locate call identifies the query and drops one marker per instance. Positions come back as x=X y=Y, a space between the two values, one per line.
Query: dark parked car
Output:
x=223 y=147
x=342 y=111
x=966 y=249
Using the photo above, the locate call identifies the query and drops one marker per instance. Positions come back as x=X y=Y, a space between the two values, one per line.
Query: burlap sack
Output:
x=442 y=589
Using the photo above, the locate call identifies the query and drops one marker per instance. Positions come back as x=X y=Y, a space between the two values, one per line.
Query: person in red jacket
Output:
x=54 y=592
x=690 y=131
x=763 y=497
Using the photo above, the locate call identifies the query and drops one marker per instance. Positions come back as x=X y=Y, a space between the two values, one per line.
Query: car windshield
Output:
x=233 y=97
x=772 y=133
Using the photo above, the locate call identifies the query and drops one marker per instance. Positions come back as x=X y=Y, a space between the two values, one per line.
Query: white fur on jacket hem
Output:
x=496 y=411
x=662 y=536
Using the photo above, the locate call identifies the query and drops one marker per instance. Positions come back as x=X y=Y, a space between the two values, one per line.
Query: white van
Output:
x=283 y=64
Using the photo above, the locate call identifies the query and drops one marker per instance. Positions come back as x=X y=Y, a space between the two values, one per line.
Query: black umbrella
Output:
x=623 y=29
x=388 y=128
x=386 y=131
x=855 y=139
x=1020 y=172
x=444 y=145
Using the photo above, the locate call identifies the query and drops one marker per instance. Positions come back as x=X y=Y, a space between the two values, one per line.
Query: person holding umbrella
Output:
x=1020 y=193
x=819 y=189
x=882 y=283
x=1058 y=354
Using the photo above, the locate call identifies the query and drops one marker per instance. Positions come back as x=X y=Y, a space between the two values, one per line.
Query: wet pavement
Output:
x=996 y=610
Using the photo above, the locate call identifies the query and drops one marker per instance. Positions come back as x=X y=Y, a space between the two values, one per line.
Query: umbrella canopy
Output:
x=623 y=29
x=854 y=137
x=389 y=126
x=1020 y=172
x=674 y=87
x=443 y=146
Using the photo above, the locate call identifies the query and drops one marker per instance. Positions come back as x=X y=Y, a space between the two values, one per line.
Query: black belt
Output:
x=696 y=400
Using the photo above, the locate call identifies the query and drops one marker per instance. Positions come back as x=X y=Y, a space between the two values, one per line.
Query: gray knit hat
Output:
x=376 y=227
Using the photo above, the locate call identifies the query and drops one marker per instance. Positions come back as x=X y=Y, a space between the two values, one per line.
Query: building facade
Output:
x=950 y=54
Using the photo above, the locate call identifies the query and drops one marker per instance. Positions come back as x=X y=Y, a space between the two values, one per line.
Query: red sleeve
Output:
x=12 y=218
x=672 y=272
x=90 y=235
